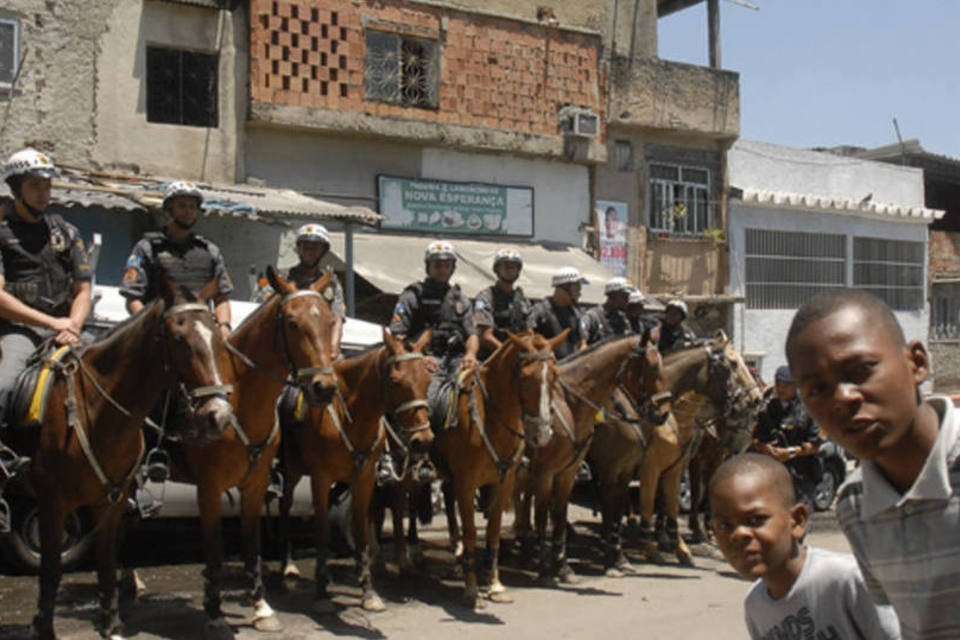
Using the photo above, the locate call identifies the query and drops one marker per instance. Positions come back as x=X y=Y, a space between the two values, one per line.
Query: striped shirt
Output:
x=908 y=545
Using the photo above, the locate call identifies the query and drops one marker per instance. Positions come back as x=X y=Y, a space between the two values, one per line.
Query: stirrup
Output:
x=426 y=472
x=386 y=473
x=157 y=464
x=584 y=474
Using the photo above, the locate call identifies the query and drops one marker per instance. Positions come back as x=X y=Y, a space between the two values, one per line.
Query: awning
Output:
x=80 y=188
x=392 y=261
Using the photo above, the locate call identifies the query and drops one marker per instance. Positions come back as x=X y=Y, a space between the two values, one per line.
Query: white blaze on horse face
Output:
x=315 y=311
x=544 y=395
x=207 y=336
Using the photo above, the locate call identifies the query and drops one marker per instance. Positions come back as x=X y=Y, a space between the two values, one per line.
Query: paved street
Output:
x=659 y=602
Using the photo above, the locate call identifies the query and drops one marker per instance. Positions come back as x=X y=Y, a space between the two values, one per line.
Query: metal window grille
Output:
x=945 y=311
x=182 y=87
x=891 y=269
x=785 y=268
x=680 y=199
x=402 y=70
x=9 y=50
x=623 y=155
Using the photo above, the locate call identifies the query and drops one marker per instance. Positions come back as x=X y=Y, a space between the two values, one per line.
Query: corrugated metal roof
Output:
x=392 y=261
x=842 y=205
x=79 y=188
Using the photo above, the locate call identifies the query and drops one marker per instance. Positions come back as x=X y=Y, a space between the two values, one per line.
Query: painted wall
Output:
x=763 y=331
x=123 y=135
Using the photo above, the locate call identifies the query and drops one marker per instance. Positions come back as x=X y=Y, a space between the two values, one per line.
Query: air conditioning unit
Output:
x=579 y=122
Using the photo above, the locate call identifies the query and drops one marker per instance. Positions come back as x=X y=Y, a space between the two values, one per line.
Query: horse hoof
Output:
x=373 y=603
x=685 y=559
x=498 y=593
x=324 y=606
x=545 y=580
x=567 y=576
x=268 y=624
x=626 y=568
x=613 y=572
x=217 y=629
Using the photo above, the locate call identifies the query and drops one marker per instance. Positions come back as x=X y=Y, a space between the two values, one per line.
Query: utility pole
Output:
x=713 y=24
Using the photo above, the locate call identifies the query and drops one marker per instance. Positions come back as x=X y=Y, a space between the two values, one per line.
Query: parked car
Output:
x=21 y=547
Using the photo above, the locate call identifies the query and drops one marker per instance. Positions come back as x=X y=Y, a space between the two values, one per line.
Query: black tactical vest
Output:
x=440 y=309
x=510 y=311
x=186 y=265
x=40 y=280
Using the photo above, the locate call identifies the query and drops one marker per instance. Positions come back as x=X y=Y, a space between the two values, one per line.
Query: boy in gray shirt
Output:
x=799 y=591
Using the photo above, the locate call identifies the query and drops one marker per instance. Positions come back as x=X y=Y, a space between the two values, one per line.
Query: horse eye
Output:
x=292 y=324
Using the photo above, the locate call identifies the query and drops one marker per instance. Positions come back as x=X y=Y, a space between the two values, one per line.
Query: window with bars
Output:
x=9 y=50
x=182 y=87
x=945 y=311
x=890 y=269
x=402 y=70
x=785 y=268
x=680 y=199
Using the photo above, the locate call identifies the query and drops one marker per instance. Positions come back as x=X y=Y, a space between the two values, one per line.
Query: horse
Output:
x=89 y=454
x=342 y=442
x=485 y=443
x=588 y=380
x=286 y=340
x=715 y=376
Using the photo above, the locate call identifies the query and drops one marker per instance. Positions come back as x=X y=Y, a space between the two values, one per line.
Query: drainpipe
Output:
x=713 y=25
x=348 y=258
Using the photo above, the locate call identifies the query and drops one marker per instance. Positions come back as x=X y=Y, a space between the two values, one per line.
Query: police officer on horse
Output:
x=189 y=259
x=45 y=281
x=641 y=322
x=435 y=304
x=502 y=306
x=608 y=319
x=313 y=243
x=559 y=311
x=674 y=331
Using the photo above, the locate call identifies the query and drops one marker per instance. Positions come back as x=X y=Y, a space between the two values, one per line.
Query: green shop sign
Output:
x=455 y=207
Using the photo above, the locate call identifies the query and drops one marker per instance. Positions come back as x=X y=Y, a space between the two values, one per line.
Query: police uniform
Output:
x=601 y=322
x=674 y=337
x=789 y=425
x=40 y=262
x=191 y=264
x=332 y=293
x=547 y=319
x=502 y=310
x=643 y=325
x=445 y=310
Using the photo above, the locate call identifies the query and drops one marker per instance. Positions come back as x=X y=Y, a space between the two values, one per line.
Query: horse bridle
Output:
x=405 y=434
x=542 y=418
x=198 y=393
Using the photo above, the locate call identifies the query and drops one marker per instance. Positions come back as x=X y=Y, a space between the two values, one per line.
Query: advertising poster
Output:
x=612 y=220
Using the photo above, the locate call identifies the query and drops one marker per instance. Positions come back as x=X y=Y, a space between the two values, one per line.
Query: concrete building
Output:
x=804 y=221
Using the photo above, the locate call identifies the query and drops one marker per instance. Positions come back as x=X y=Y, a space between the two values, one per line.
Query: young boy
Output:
x=799 y=591
x=859 y=379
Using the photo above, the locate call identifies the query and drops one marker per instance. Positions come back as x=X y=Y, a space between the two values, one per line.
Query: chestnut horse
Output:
x=90 y=446
x=343 y=441
x=588 y=380
x=286 y=340
x=493 y=421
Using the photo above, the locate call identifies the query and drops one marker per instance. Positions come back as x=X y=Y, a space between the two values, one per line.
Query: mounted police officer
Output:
x=189 y=259
x=45 y=280
x=610 y=318
x=674 y=331
x=502 y=306
x=435 y=304
x=559 y=311
x=313 y=243
x=642 y=323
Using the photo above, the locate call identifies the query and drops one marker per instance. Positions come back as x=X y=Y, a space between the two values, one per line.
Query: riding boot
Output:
x=386 y=472
x=275 y=488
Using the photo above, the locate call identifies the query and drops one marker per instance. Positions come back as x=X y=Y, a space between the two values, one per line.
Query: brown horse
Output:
x=88 y=454
x=287 y=339
x=343 y=441
x=483 y=447
x=717 y=373
x=588 y=380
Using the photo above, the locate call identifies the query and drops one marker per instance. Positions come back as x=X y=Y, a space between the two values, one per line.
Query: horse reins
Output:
x=404 y=406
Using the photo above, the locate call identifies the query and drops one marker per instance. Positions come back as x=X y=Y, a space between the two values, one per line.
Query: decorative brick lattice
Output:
x=303 y=49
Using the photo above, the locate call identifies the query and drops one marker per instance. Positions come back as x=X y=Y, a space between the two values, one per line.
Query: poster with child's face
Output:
x=612 y=220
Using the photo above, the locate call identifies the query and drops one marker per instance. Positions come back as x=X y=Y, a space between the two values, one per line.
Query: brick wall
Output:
x=944 y=254
x=495 y=72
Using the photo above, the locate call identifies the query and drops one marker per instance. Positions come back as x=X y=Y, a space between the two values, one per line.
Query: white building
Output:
x=804 y=221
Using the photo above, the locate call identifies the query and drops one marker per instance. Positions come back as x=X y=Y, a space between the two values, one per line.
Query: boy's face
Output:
x=858 y=382
x=755 y=530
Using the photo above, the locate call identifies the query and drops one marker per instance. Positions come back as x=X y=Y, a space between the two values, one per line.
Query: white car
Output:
x=21 y=547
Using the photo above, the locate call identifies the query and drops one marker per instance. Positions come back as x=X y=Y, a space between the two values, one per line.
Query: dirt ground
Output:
x=660 y=601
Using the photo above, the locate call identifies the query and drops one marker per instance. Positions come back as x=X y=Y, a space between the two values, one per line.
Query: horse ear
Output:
x=209 y=291
x=389 y=340
x=721 y=336
x=278 y=282
x=321 y=283
x=165 y=287
x=559 y=338
x=423 y=340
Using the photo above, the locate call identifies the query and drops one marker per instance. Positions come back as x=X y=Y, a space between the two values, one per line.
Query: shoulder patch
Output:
x=480 y=304
x=130 y=275
x=134 y=261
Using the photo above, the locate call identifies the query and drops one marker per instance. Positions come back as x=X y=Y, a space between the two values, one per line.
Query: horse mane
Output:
x=118 y=331
x=596 y=346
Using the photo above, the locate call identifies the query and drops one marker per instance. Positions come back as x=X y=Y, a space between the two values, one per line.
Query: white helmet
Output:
x=440 y=250
x=182 y=188
x=616 y=284
x=28 y=162
x=636 y=297
x=313 y=232
x=679 y=305
x=506 y=255
x=567 y=275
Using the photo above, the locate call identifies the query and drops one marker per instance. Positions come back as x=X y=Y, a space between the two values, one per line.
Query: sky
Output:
x=831 y=72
